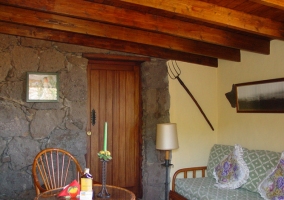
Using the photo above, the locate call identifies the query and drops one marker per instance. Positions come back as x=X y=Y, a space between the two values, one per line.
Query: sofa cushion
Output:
x=205 y=189
x=218 y=152
x=272 y=187
x=232 y=172
x=259 y=162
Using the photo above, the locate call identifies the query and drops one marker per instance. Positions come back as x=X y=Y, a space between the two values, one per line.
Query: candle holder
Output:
x=104 y=193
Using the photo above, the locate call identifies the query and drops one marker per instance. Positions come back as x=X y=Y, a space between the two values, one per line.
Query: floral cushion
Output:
x=259 y=163
x=272 y=186
x=232 y=171
x=217 y=154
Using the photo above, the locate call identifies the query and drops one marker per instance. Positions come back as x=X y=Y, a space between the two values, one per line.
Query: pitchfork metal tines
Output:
x=174 y=70
x=174 y=73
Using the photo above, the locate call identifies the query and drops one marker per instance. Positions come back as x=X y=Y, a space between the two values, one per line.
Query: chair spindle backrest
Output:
x=54 y=168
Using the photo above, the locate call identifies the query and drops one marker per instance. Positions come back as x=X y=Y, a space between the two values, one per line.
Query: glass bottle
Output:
x=87 y=174
x=86 y=185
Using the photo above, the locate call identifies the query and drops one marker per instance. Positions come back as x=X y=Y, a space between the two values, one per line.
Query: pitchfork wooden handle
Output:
x=197 y=104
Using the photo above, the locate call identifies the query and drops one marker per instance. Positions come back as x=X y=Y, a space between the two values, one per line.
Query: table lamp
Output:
x=166 y=139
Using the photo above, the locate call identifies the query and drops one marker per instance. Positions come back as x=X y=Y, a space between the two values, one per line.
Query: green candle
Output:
x=105 y=137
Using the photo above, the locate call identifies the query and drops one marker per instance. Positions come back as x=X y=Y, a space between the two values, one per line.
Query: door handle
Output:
x=93 y=117
x=89 y=133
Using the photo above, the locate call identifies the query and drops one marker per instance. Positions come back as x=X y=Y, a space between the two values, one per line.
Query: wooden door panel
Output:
x=130 y=132
x=93 y=90
x=107 y=96
x=115 y=95
x=122 y=135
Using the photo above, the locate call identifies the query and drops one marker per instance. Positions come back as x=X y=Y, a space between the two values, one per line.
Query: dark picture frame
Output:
x=265 y=96
x=42 y=87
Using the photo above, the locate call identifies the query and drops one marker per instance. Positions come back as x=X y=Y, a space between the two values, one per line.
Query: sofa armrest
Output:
x=185 y=172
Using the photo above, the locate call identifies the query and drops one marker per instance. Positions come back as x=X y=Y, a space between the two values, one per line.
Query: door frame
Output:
x=94 y=58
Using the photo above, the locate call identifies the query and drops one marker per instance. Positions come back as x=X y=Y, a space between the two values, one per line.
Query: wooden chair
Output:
x=54 y=168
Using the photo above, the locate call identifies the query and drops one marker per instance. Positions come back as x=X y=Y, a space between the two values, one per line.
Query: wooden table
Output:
x=117 y=193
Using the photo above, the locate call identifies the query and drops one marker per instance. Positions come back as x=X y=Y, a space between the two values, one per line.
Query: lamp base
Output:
x=167 y=164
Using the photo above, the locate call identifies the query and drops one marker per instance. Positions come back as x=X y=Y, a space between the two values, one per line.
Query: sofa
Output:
x=199 y=183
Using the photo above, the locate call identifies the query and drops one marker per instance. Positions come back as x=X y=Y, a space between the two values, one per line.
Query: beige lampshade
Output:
x=166 y=138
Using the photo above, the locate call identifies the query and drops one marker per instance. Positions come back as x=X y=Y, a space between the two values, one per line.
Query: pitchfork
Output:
x=174 y=73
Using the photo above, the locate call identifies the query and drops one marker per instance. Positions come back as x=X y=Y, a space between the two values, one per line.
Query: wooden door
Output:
x=114 y=94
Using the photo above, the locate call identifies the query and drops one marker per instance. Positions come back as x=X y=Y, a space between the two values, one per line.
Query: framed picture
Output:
x=42 y=87
x=265 y=96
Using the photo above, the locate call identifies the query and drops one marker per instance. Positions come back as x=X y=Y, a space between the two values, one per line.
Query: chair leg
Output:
x=37 y=190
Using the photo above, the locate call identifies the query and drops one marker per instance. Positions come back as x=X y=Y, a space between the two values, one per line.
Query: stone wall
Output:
x=156 y=105
x=26 y=128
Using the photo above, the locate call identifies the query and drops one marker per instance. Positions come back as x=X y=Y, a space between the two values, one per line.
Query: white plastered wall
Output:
x=194 y=133
x=209 y=85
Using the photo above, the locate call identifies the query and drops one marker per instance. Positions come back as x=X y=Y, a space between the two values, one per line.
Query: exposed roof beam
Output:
x=272 y=3
x=130 y=18
x=101 y=56
x=52 y=21
x=104 y=43
x=221 y=16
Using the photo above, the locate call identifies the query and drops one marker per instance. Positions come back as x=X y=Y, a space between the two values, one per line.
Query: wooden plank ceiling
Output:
x=195 y=31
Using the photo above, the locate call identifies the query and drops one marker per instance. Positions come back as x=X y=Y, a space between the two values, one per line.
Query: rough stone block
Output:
x=79 y=62
x=13 y=183
x=6 y=159
x=14 y=91
x=151 y=101
x=150 y=148
x=13 y=121
x=73 y=82
x=78 y=111
x=45 y=121
x=49 y=106
x=2 y=145
x=51 y=61
x=163 y=97
x=22 y=152
x=150 y=126
x=5 y=65
x=156 y=173
x=30 y=58
x=29 y=113
x=154 y=193
x=73 y=141
x=7 y=41
x=28 y=194
x=155 y=74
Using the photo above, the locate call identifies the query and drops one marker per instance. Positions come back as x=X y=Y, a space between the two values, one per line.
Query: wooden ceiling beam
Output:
x=271 y=3
x=211 y=13
x=131 y=18
x=52 y=21
x=104 y=43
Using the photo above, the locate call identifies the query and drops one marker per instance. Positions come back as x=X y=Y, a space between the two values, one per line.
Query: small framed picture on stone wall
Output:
x=42 y=87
